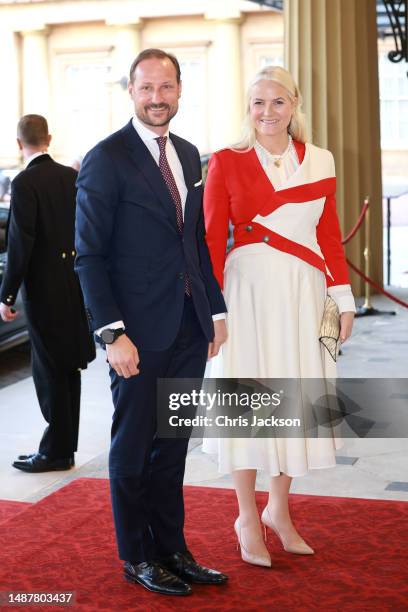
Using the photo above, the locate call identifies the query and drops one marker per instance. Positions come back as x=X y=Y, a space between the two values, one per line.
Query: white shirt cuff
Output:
x=115 y=325
x=219 y=316
x=343 y=297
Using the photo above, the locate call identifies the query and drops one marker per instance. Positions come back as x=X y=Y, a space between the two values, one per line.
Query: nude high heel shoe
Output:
x=263 y=560
x=298 y=549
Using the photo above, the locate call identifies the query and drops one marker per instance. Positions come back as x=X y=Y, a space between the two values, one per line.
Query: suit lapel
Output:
x=185 y=160
x=142 y=157
x=188 y=171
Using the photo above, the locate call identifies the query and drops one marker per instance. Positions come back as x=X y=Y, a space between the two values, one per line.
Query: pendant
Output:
x=277 y=163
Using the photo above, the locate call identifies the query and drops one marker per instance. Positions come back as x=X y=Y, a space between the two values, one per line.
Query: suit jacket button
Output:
x=63 y=255
x=249 y=228
x=73 y=253
x=181 y=275
x=266 y=239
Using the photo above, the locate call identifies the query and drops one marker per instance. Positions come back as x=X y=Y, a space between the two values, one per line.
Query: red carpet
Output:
x=65 y=542
x=9 y=509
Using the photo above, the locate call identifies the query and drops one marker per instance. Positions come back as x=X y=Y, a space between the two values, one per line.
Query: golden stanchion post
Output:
x=367 y=254
x=367 y=308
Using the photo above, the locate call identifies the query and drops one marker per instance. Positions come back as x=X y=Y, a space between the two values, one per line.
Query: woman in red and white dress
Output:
x=278 y=191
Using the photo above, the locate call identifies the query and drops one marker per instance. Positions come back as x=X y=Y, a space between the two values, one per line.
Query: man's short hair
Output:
x=32 y=130
x=158 y=54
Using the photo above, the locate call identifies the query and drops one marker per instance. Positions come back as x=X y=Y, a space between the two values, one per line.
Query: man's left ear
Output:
x=49 y=139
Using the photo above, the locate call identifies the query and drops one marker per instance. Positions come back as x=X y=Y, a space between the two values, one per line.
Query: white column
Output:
x=36 y=83
x=10 y=99
x=127 y=44
x=225 y=83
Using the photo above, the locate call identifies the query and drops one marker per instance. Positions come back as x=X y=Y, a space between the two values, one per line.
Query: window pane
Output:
x=191 y=120
x=270 y=60
x=403 y=123
x=388 y=110
x=403 y=84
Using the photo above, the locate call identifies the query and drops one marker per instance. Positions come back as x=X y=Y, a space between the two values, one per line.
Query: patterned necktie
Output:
x=174 y=192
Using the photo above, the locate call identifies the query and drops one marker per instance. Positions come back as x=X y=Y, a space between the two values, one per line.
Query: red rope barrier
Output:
x=358 y=224
x=373 y=284
x=359 y=272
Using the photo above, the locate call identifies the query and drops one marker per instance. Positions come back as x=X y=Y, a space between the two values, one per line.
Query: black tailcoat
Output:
x=40 y=257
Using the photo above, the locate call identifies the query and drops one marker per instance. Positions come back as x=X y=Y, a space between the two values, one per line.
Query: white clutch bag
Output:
x=330 y=328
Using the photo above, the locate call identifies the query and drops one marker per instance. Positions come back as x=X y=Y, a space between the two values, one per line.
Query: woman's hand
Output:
x=346 y=325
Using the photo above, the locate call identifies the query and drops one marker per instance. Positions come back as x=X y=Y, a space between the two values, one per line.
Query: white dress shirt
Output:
x=149 y=139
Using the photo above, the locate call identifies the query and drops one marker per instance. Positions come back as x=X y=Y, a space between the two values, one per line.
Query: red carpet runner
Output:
x=11 y=508
x=65 y=542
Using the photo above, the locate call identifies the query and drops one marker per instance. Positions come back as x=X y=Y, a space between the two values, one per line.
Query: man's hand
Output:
x=346 y=325
x=220 y=336
x=7 y=313
x=123 y=357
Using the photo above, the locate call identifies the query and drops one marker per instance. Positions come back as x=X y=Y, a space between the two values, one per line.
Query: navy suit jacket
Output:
x=131 y=259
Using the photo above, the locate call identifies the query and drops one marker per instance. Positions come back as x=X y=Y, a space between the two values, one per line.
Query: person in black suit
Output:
x=40 y=257
x=151 y=295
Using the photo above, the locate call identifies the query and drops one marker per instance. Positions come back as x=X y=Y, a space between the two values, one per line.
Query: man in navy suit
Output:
x=151 y=296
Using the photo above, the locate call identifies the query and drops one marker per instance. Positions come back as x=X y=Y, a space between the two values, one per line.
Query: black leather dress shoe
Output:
x=154 y=577
x=41 y=463
x=184 y=565
x=24 y=457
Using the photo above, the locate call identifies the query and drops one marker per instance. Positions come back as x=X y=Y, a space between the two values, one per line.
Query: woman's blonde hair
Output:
x=297 y=126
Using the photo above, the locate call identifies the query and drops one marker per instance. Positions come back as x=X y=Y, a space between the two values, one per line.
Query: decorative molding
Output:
x=272 y=40
x=77 y=50
x=226 y=20
x=19 y=2
x=40 y=30
x=197 y=44
x=121 y=22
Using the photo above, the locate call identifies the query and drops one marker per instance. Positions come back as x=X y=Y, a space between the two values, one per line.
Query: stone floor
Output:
x=369 y=468
x=15 y=365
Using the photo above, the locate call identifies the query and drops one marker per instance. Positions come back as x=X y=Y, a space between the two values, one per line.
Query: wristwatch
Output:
x=108 y=336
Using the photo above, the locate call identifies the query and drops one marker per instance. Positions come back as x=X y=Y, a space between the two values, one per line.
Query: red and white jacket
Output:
x=299 y=218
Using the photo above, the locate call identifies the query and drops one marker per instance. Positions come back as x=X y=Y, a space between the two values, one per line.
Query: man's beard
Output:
x=148 y=121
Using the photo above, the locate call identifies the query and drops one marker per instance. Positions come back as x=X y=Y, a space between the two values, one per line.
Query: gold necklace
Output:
x=277 y=159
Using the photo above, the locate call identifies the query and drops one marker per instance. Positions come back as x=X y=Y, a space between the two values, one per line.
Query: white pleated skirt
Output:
x=275 y=305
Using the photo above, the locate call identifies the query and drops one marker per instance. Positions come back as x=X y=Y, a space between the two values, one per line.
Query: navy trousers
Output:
x=146 y=472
